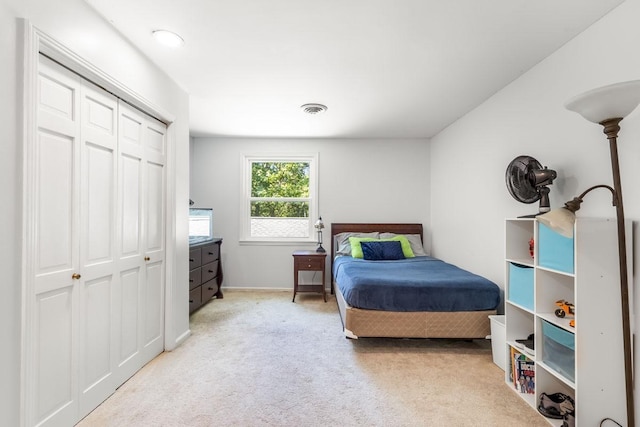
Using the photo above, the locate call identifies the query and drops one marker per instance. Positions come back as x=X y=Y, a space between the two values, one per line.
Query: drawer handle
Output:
x=210 y=289
x=190 y=280
x=309 y=265
x=210 y=253
x=210 y=271
x=190 y=301
x=192 y=260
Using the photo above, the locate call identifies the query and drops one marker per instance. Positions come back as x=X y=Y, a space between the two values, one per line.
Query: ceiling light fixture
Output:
x=168 y=38
x=313 y=108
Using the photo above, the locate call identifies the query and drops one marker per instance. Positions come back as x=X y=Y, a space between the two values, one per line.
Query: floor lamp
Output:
x=607 y=106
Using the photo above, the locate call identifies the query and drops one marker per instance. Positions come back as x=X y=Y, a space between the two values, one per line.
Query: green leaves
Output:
x=280 y=180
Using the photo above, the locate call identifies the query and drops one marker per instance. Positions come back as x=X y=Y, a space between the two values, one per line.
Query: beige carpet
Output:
x=257 y=359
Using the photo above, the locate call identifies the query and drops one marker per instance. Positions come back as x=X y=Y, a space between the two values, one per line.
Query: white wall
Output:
x=528 y=117
x=360 y=181
x=468 y=159
x=10 y=231
x=76 y=26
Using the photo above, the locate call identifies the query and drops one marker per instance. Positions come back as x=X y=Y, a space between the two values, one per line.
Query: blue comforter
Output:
x=412 y=284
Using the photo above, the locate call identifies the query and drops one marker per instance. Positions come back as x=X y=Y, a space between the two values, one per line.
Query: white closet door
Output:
x=131 y=267
x=155 y=137
x=95 y=247
x=97 y=307
x=141 y=318
x=53 y=251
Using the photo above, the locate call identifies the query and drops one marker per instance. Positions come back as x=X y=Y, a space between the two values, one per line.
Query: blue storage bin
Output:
x=521 y=285
x=558 y=349
x=554 y=250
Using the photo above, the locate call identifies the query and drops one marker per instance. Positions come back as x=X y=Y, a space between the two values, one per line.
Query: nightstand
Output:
x=308 y=261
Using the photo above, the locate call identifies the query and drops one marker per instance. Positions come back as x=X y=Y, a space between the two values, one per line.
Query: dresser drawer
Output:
x=209 y=289
x=195 y=278
x=210 y=253
x=205 y=273
x=209 y=271
x=310 y=263
x=195 y=299
x=195 y=258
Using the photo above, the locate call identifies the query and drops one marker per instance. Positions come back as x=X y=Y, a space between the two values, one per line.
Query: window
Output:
x=279 y=201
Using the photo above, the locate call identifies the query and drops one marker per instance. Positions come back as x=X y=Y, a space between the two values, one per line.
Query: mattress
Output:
x=413 y=285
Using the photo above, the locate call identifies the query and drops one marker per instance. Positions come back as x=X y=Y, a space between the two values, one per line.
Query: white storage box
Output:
x=498 y=340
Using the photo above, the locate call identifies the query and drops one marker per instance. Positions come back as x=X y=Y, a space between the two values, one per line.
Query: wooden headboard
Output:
x=358 y=227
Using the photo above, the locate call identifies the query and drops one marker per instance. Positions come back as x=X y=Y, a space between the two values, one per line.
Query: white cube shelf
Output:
x=585 y=272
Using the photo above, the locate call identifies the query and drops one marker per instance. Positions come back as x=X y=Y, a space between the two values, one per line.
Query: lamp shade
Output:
x=559 y=220
x=614 y=101
x=319 y=224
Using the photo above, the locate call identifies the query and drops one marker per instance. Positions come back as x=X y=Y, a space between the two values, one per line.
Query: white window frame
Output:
x=245 y=199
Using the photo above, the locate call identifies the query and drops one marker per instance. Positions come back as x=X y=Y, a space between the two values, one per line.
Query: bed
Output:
x=450 y=303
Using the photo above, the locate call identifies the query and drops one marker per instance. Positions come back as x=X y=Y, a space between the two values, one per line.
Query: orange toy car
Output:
x=565 y=308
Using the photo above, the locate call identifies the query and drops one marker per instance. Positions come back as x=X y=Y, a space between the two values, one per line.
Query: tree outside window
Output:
x=280 y=198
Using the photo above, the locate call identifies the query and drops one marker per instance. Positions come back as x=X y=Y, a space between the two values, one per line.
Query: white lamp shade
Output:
x=559 y=220
x=615 y=101
x=319 y=224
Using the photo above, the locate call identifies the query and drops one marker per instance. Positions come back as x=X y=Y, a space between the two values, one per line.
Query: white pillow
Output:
x=414 y=240
x=343 y=244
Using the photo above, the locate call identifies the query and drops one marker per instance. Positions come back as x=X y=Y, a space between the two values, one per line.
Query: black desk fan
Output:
x=527 y=182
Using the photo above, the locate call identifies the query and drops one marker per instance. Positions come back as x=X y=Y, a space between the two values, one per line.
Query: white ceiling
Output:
x=384 y=68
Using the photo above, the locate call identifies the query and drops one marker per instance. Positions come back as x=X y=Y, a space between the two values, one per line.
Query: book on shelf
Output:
x=522 y=372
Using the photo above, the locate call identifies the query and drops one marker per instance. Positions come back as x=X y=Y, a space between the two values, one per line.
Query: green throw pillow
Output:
x=356 y=247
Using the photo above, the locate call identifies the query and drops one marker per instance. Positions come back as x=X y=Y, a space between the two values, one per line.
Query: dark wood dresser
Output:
x=205 y=272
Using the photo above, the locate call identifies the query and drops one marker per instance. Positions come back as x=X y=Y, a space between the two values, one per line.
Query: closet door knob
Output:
x=76 y=276
x=147 y=258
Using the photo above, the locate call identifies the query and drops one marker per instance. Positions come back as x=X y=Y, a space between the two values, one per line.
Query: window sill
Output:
x=244 y=242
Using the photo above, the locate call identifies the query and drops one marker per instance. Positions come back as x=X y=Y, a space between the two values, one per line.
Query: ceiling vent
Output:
x=314 y=108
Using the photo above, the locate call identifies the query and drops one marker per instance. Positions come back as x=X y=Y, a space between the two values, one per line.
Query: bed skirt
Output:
x=424 y=324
